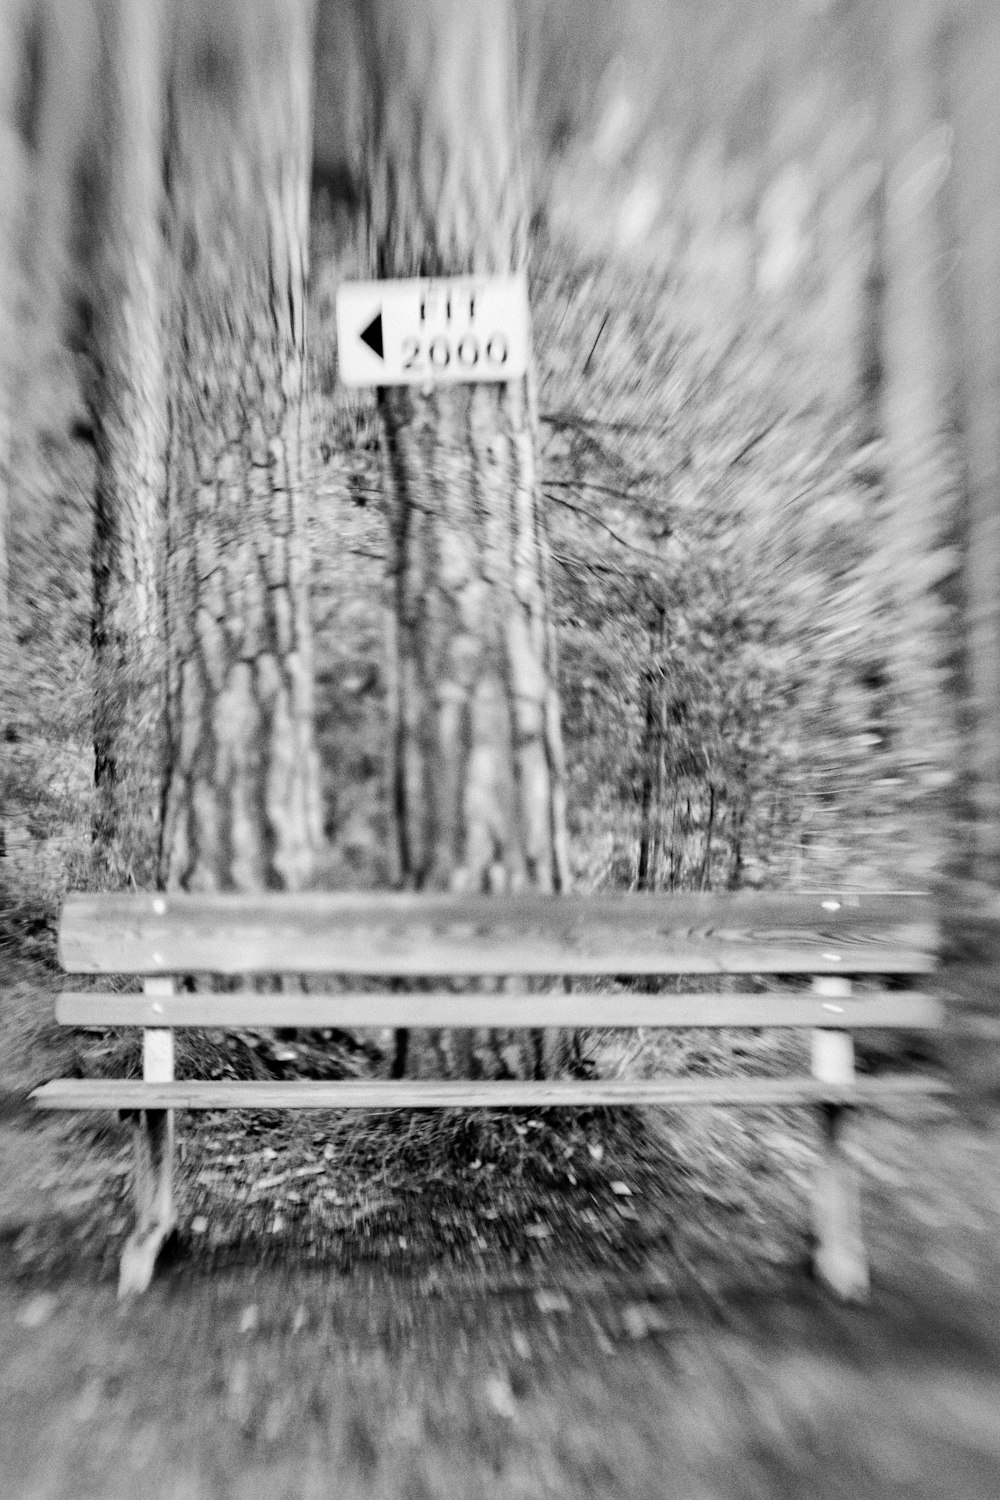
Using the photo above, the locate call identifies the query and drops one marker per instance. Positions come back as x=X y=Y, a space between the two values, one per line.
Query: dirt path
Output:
x=718 y=1381
x=293 y=1385
x=512 y=1325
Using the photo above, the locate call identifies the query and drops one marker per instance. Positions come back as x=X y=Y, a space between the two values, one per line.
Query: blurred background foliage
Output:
x=755 y=582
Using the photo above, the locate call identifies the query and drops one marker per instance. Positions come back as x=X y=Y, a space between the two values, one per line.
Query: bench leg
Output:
x=839 y=1257
x=153 y=1135
x=154 y=1199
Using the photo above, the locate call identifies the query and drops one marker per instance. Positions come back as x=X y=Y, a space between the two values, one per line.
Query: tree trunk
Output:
x=477 y=751
x=10 y=215
x=478 y=755
x=478 y=761
x=975 y=194
x=651 y=791
x=129 y=416
x=242 y=808
x=14 y=88
x=922 y=477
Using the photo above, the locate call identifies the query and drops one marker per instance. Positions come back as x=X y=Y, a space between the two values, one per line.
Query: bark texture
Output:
x=242 y=806
x=130 y=428
x=921 y=458
x=653 y=780
x=477 y=751
x=14 y=98
x=478 y=767
x=10 y=214
x=975 y=194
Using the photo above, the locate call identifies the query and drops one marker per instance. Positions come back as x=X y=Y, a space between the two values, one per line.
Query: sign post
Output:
x=433 y=331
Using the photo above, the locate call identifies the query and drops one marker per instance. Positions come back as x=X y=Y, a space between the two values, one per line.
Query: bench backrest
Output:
x=416 y=935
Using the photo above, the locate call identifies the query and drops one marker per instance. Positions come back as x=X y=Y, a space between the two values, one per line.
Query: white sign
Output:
x=440 y=331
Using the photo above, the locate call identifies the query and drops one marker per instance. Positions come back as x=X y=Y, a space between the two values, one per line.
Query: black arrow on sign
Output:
x=372 y=335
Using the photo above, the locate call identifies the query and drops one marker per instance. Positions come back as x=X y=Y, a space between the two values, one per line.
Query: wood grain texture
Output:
x=112 y=1093
x=531 y=933
x=840 y=1259
x=153 y=1139
x=903 y=1008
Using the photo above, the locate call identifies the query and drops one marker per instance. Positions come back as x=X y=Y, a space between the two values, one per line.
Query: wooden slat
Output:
x=134 y=1094
x=417 y=935
x=904 y=1008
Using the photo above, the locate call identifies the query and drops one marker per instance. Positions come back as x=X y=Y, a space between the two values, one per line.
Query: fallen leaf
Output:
x=38 y=1311
x=275 y=1419
x=89 y=1399
x=501 y=1397
x=369 y=1210
x=600 y=1333
x=596 y=1150
x=77 y=1197
x=199 y=1224
x=643 y=1318
x=551 y=1301
x=238 y=1391
x=621 y=1190
x=250 y=1318
x=263 y=1183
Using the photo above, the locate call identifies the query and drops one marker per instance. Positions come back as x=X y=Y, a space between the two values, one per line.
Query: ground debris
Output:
x=548 y=1301
x=37 y=1310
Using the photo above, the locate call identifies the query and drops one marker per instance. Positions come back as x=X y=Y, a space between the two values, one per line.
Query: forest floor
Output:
x=587 y=1305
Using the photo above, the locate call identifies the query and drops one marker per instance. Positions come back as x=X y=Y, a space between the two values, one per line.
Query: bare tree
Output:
x=242 y=806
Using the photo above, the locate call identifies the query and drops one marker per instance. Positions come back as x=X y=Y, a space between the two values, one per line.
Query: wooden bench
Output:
x=821 y=941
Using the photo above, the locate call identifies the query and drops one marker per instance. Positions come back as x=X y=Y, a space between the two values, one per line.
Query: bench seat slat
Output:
x=904 y=1008
x=417 y=936
x=134 y=1094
